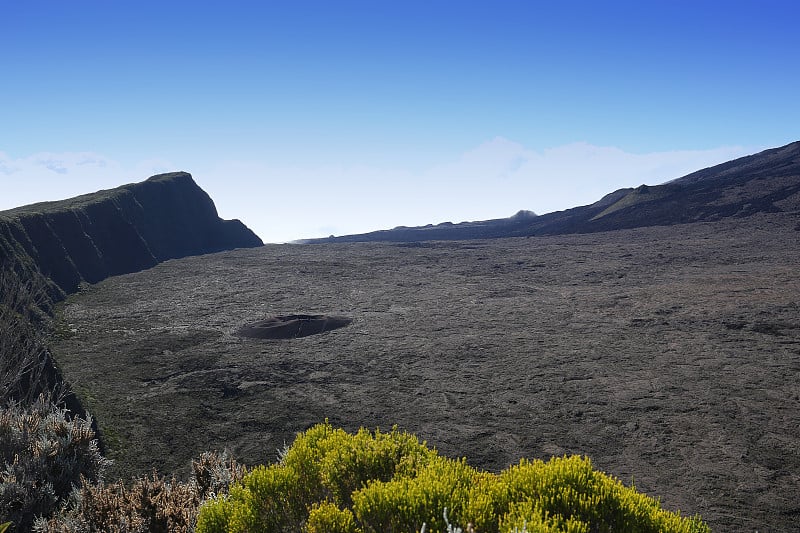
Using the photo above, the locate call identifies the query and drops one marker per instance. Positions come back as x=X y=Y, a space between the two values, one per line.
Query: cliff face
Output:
x=130 y=228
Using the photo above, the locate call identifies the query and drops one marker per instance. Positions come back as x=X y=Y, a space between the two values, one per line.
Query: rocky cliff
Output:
x=130 y=228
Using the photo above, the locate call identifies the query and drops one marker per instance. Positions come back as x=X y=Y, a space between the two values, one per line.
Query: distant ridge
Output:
x=117 y=231
x=766 y=182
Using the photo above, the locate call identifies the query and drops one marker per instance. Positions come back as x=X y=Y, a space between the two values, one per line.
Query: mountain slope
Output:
x=767 y=182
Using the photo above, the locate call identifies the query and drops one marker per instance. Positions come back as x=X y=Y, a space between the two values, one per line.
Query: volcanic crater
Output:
x=292 y=326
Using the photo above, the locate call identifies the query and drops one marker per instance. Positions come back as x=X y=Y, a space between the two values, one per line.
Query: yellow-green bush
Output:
x=332 y=481
x=405 y=503
x=567 y=494
x=324 y=464
x=333 y=464
x=328 y=518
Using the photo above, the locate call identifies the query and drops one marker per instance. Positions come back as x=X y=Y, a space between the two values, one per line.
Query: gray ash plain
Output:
x=670 y=356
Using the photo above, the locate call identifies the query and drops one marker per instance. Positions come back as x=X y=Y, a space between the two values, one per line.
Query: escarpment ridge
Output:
x=130 y=228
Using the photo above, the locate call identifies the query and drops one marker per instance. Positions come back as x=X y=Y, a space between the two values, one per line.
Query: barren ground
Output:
x=670 y=356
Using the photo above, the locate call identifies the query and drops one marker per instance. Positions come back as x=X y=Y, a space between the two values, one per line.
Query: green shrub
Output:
x=332 y=481
x=324 y=464
x=567 y=494
x=350 y=461
x=328 y=518
x=333 y=464
x=269 y=499
x=406 y=503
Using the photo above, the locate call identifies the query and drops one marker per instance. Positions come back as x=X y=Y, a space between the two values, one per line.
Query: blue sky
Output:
x=313 y=118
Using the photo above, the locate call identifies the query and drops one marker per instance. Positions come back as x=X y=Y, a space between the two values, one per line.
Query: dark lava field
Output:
x=670 y=356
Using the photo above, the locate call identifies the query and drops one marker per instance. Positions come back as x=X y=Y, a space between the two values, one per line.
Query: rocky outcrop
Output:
x=122 y=230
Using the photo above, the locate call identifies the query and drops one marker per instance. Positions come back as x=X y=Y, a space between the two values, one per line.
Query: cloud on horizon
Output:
x=492 y=180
